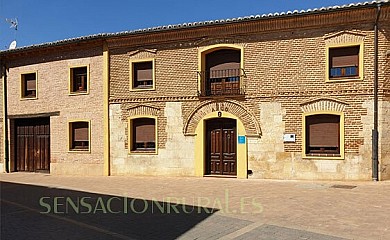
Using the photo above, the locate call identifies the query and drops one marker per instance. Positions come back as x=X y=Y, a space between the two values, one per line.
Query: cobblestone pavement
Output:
x=42 y=206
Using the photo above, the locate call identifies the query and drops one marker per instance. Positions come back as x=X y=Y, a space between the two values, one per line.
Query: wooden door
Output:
x=32 y=144
x=221 y=151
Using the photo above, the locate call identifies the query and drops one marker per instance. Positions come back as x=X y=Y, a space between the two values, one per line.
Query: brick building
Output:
x=284 y=96
x=55 y=107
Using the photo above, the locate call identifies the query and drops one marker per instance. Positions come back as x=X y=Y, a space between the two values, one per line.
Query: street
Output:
x=42 y=206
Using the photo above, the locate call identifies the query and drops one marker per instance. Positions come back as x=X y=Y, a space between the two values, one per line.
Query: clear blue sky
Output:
x=43 y=21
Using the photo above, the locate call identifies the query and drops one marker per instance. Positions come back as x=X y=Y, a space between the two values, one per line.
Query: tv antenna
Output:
x=13 y=24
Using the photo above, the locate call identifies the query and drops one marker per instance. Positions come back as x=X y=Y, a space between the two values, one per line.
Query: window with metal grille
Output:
x=79 y=136
x=323 y=134
x=344 y=62
x=29 y=85
x=222 y=72
x=79 y=79
x=143 y=134
x=142 y=75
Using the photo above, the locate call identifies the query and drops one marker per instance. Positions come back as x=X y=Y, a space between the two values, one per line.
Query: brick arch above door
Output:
x=249 y=120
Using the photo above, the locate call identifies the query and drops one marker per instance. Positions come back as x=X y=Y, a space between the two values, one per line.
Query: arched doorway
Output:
x=229 y=160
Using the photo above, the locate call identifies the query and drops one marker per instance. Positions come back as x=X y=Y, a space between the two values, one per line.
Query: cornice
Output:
x=154 y=99
x=198 y=35
x=292 y=94
x=49 y=50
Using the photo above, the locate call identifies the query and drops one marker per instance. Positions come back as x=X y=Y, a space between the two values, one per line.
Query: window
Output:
x=79 y=136
x=143 y=135
x=29 y=85
x=322 y=135
x=344 y=62
x=79 y=80
x=142 y=75
x=221 y=71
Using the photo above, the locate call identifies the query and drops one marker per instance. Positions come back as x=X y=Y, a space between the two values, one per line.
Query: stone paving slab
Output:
x=215 y=227
x=270 y=232
x=231 y=208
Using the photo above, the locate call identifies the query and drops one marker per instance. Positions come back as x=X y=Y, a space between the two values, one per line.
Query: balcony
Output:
x=226 y=82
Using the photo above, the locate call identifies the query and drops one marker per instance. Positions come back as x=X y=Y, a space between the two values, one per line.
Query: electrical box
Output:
x=289 y=137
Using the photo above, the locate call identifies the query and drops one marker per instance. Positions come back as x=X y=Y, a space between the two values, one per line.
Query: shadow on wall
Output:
x=36 y=212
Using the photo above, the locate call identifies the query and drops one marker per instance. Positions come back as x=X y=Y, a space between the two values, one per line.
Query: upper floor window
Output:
x=221 y=73
x=142 y=74
x=29 y=85
x=79 y=80
x=344 y=62
x=322 y=135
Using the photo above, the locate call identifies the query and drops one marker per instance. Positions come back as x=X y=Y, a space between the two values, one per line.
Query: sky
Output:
x=41 y=21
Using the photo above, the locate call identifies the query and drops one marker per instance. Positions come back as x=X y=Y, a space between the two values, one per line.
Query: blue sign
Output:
x=241 y=139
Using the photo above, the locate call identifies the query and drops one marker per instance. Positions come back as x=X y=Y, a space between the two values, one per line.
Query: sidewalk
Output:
x=191 y=208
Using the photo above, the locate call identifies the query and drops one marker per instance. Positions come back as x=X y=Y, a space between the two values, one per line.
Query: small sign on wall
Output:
x=241 y=139
x=289 y=137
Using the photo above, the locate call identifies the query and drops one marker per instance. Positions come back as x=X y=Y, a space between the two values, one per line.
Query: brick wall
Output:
x=176 y=73
x=284 y=67
x=53 y=95
x=288 y=67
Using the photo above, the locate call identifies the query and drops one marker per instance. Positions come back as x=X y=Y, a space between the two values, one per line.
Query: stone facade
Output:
x=384 y=140
x=175 y=157
x=384 y=104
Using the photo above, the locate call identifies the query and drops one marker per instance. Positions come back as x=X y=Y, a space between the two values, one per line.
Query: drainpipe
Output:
x=5 y=116
x=375 y=133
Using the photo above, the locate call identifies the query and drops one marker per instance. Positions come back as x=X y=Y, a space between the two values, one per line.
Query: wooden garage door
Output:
x=32 y=144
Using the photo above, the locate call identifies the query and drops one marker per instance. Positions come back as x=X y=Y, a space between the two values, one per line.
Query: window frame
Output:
x=70 y=80
x=202 y=53
x=23 y=85
x=346 y=78
x=131 y=73
x=130 y=135
x=341 y=137
x=70 y=136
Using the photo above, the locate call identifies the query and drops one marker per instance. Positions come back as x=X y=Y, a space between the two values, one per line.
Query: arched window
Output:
x=221 y=72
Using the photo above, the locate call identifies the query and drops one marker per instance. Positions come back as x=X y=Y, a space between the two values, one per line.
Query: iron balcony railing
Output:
x=222 y=82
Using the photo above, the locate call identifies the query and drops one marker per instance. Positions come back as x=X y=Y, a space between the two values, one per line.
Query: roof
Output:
x=198 y=24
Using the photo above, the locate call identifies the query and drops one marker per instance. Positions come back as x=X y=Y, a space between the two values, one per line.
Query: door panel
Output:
x=21 y=150
x=215 y=153
x=229 y=152
x=221 y=157
x=32 y=150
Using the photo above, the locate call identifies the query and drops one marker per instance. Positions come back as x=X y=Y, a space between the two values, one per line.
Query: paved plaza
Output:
x=42 y=206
